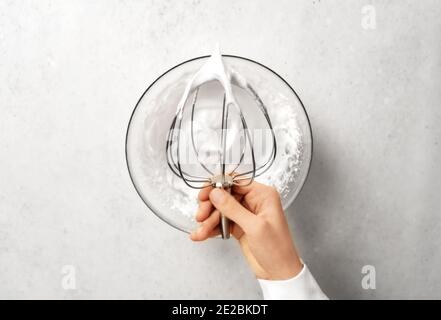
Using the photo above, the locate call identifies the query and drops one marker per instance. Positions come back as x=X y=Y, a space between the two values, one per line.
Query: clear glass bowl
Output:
x=168 y=197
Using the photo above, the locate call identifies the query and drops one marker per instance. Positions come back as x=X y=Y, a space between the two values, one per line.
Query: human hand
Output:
x=259 y=225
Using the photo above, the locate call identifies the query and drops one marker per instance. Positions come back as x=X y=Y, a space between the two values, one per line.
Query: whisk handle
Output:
x=225 y=227
x=225 y=222
x=223 y=182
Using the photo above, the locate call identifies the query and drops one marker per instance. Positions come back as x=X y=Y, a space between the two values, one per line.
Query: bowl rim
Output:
x=146 y=202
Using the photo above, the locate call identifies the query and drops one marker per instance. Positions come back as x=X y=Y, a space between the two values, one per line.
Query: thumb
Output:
x=231 y=208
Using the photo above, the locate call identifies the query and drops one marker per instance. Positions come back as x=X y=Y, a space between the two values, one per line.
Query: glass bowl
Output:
x=164 y=193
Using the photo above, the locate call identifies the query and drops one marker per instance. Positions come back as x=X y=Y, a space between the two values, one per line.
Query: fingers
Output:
x=231 y=208
x=256 y=194
x=215 y=232
x=238 y=190
x=243 y=188
x=205 y=211
x=206 y=229
x=203 y=194
x=235 y=232
x=205 y=208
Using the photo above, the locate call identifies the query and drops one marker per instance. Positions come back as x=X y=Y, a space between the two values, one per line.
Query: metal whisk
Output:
x=221 y=168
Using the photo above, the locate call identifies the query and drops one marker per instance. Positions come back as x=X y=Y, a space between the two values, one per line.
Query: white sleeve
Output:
x=302 y=287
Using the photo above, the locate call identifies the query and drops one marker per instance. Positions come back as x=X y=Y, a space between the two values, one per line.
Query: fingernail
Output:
x=217 y=196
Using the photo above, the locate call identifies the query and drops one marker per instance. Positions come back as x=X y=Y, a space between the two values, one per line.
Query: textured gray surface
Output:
x=72 y=71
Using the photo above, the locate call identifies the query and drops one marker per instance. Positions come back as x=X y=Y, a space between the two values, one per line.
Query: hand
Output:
x=259 y=225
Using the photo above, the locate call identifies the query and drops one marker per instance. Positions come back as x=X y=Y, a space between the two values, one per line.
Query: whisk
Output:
x=216 y=165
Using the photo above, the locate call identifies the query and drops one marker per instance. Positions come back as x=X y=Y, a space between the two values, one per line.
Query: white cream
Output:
x=213 y=69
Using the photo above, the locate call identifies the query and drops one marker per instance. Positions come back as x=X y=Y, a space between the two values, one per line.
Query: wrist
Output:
x=291 y=270
x=286 y=271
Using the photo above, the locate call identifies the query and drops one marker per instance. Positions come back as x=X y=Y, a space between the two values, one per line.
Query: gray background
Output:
x=72 y=71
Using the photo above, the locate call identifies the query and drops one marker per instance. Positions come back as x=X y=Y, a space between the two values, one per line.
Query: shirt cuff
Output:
x=302 y=287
